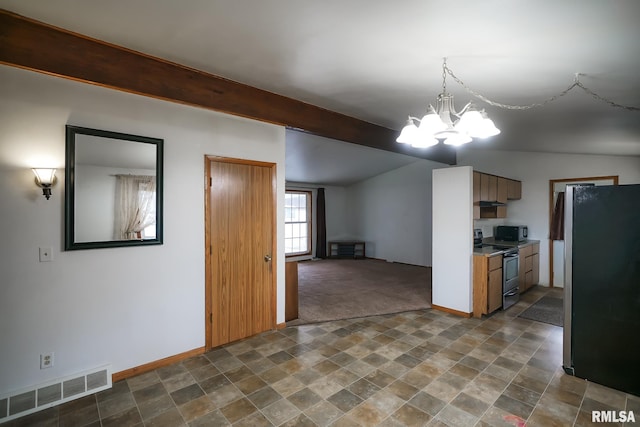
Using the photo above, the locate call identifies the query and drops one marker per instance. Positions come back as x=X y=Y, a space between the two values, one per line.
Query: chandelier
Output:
x=444 y=123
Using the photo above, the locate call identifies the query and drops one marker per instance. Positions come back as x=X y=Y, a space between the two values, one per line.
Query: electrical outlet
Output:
x=46 y=360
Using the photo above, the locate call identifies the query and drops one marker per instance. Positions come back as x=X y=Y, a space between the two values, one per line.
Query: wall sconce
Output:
x=45 y=179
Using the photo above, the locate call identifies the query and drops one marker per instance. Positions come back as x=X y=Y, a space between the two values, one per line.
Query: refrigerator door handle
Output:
x=567 y=354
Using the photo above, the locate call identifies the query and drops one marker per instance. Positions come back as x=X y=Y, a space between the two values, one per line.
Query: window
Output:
x=297 y=227
x=149 y=232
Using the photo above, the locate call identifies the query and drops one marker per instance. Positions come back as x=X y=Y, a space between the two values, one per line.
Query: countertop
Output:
x=489 y=251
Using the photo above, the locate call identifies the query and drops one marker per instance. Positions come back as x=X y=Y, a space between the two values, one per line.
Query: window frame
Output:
x=309 y=223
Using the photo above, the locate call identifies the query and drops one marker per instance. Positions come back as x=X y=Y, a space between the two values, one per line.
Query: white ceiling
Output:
x=318 y=160
x=380 y=61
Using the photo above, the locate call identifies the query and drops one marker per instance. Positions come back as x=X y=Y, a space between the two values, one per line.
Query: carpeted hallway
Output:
x=335 y=289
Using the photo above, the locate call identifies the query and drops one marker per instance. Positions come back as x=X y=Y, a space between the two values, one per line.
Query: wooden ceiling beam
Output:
x=36 y=46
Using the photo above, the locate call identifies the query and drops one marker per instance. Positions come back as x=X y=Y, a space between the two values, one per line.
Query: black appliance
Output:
x=602 y=285
x=512 y=233
x=510 y=283
x=477 y=238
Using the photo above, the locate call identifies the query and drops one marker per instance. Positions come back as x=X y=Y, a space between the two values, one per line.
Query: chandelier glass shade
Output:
x=443 y=123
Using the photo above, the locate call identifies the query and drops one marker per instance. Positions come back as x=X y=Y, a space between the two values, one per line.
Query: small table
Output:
x=346 y=249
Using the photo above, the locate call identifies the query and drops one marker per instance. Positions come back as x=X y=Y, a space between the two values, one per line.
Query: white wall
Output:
x=392 y=213
x=535 y=170
x=452 y=238
x=120 y=306
x=338 y=214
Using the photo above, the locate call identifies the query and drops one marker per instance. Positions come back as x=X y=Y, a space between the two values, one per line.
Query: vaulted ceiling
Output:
x=382 y=61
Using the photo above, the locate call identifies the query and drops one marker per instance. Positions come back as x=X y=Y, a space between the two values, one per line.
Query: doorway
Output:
x=556 y=247
x=240 y=249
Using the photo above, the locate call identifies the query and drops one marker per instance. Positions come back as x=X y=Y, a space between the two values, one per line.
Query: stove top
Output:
x=501 y=247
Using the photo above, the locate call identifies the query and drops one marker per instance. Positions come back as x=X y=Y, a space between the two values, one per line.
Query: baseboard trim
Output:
x=451 y=311
x=137 y=370
x=281 y=325
x=398 y=262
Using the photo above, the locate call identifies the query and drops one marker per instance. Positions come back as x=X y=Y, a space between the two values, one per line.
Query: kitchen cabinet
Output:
x=492 y=188
x=514 y=189
x=529 y=270
x=487 y=284
x=476 y=194
x=488 y=187
x=502 y=187
x=501 y=196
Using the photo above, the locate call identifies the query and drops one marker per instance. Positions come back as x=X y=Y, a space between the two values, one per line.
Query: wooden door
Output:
x=241 y=280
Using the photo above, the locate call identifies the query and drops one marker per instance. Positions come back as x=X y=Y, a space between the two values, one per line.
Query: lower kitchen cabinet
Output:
x=529 y=272
x=487 y=284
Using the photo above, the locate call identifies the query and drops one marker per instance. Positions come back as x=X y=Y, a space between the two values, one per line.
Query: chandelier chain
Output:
x=576 y=83
x=444 y=76
x=599 y=98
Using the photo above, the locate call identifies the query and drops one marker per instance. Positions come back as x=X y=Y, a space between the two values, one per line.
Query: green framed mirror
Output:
x=113 y=189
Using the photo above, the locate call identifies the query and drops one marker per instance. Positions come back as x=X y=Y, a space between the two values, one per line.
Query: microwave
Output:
x=511 y=233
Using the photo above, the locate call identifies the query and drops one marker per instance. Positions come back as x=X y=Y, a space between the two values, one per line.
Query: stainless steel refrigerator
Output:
x=602 y=285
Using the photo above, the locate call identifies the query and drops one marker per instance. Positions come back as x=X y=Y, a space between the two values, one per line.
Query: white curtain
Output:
x=135 y=205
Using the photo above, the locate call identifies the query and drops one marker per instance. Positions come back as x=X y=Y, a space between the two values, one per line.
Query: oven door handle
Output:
x=511 y=293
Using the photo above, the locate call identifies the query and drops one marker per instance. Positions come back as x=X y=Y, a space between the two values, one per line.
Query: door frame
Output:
x=552 y=183
x=208 y=250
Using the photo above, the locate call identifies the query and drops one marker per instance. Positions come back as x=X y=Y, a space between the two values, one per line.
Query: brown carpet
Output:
x=345 y=289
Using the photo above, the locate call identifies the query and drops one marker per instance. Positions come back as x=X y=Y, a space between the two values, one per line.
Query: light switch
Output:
x=46 y=254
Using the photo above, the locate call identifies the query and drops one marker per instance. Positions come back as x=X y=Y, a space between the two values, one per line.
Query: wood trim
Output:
x=274 y=247
x=451 y=311
x=237 y=161
x=281 y=325
x=131 y=372
x=552 y=183
x=37 y=46
x=208 y=342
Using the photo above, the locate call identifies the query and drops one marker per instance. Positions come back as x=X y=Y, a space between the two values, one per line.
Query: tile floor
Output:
x=420 y=368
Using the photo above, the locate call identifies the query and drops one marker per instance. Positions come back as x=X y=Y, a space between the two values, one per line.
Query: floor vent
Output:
x=42 y=396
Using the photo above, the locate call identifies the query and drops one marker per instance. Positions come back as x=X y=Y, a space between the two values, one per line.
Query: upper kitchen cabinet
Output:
x=491 y=193
x=476 y=194
x=514 y=189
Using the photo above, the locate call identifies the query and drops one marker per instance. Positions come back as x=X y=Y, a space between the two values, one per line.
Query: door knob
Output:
x=267 y=258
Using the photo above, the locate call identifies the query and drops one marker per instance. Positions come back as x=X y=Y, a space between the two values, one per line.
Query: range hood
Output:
x=484 y=204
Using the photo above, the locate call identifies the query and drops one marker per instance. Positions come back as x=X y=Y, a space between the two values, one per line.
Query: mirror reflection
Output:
x=114 y=185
